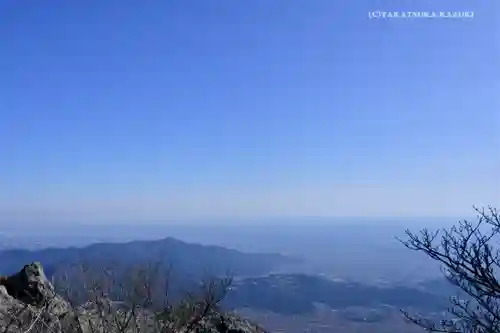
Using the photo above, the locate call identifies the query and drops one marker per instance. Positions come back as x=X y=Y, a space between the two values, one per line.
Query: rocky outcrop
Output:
x=28 y=299
x=29 y=285
x=29 y=303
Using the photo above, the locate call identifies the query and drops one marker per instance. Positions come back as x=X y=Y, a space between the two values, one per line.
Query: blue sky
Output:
x=160 y=109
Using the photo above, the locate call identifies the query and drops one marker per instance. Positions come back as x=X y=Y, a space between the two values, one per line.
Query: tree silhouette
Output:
x=469 y=254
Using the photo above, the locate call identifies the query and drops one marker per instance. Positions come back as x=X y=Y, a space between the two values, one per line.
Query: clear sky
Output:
x=123 y=109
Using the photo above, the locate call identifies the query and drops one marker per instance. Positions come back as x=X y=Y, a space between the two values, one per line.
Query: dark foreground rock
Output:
x=29 y=303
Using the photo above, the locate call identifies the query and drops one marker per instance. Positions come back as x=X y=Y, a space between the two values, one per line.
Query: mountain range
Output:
x=260 y=280
x=185 y=258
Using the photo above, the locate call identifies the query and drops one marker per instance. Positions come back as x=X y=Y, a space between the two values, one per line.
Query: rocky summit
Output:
x=29 y=303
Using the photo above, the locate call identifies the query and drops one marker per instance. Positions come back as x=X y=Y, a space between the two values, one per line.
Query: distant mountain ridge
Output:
x=185 y=258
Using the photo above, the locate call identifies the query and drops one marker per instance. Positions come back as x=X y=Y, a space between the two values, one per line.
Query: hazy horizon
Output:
x=402 y=221
x=354 y=250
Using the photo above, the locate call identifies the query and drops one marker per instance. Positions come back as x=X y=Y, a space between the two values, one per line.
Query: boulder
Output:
x=29 y=285
x=27 y=298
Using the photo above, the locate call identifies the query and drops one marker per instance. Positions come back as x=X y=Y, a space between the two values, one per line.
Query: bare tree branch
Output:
x=470 y=259
x=120 y=299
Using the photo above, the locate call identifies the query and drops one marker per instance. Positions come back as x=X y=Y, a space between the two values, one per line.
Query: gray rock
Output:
x=28 y=300
x=29 y=285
